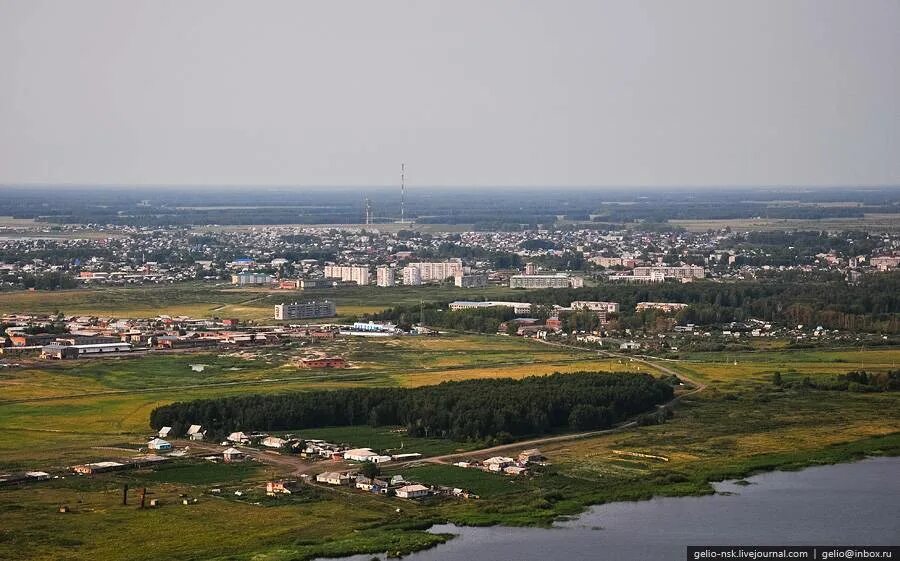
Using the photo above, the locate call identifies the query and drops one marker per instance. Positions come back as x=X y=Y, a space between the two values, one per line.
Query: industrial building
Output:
x=552 y=280
x=62 y=351
x=306 y=310
x=354 y=273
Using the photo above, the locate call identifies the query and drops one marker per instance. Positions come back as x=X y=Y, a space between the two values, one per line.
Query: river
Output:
x=845 y=504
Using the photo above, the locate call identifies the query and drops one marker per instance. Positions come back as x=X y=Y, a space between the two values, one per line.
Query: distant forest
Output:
x=494 y=208
x=478 y=410
x=872 y=305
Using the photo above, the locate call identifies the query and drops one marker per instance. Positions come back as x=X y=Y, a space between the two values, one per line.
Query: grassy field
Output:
x=871 y=222
x=223 y=300
x=54 y=414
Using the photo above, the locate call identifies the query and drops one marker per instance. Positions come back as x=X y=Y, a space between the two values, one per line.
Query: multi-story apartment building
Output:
x=412 y=276
x=672 y=272
x=554 y=280
x=471 y=280
x=437 y=271
x=243 y=279
x=666 y=307
x=306 y=310
x=607 y=307
x=384 y=276
x=355 y=273
x=519 y=308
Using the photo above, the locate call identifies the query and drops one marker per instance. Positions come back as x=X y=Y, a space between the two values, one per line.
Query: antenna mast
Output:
x=402 y=193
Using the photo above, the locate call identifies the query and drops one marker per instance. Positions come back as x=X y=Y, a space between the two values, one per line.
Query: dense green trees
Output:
x=468 y=410
x=860 y=381
x=481 y=320
x=872 y=305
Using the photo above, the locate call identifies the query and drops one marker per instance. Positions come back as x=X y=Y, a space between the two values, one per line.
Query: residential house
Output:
x=159 y=444
x=414 y=491
x=273 y=442
x=232 y=455
x=333 y=478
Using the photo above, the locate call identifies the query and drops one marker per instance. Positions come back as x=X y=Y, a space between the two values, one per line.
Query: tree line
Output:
x=477 y=410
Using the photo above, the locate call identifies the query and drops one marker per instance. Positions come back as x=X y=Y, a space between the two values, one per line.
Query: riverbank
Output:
x=403 y=540
x=824 y=505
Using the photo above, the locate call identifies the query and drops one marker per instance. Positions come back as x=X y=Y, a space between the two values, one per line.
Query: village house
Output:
x=159 y=444
x=238 y=437
x=334 y=478
x=497 y=463
x=195 y=432
x=97 y=467
x=273 y=442
x=232 y=455
x=285 y=487
x=414 y=491
x=530 y=455
x=374 y=485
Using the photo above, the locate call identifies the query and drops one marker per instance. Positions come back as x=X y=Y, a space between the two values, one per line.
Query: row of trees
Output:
x=469 y=410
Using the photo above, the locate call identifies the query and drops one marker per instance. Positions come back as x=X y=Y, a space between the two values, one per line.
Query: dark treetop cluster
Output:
x=467 y=410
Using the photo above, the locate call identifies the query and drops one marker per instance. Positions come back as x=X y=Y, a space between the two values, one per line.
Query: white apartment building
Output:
x=554 y=280
x=672 y=272
x=306 y=310
x=608 y=307
x=243 y=279
x=437 y=271
x=355 y=273
x=519 y=308
x=412 y=276
x=471 y=280
x=384 y=276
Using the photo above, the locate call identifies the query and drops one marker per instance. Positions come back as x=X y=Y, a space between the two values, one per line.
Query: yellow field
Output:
x=519 y=371
x=789 y=362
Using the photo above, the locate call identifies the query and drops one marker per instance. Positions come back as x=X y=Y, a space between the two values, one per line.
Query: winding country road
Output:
x=299 y=466
x=697 y=387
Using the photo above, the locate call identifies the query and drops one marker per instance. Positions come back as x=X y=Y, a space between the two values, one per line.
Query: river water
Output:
x=844 y=504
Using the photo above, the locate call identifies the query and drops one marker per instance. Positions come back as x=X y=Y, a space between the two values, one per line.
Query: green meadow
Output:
x=56 y=414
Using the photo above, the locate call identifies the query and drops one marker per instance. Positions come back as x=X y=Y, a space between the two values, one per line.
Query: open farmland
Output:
x=54 y=414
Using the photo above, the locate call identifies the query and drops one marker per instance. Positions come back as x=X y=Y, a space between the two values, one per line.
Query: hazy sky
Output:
x=465 y=92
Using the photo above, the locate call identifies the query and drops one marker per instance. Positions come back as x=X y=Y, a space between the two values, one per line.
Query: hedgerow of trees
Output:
x=478 y=410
